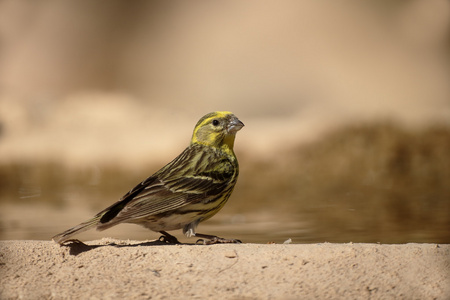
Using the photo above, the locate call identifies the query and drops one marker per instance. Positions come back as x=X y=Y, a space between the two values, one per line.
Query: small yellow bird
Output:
x=190 y=189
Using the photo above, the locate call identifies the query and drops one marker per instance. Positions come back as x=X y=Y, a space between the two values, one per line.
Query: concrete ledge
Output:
x=113 y=269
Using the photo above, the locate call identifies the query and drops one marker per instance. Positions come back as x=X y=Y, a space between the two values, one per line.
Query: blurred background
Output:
x=346 y=107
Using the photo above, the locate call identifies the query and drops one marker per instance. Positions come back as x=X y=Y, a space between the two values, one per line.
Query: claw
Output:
x=200 y=242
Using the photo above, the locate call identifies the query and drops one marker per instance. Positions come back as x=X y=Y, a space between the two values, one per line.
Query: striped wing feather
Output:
x=196 y=175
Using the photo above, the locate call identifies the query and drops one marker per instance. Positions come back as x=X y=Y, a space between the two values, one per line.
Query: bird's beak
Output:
x=234 y=125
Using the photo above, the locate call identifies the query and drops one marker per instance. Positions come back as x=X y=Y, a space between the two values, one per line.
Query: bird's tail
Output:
x=66 y=235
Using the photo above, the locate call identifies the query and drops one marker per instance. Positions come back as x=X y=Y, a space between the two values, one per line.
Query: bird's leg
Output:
x=168 y=238
x=207 y=239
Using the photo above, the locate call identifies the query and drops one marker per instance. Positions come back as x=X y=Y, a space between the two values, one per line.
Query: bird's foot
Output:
x=168 y=238
x=212 y=239
x=72 y=242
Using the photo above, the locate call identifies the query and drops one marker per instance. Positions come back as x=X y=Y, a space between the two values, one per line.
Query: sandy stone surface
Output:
x=113 y=269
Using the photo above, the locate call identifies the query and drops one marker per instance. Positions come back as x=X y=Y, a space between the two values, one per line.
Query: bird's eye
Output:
x=215 y=122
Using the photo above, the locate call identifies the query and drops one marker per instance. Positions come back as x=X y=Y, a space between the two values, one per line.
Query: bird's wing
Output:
x=177 y=184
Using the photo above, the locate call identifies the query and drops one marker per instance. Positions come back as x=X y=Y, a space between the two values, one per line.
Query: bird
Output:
x=190 y=189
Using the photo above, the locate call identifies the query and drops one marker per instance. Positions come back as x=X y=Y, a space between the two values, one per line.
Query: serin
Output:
x=190 y=189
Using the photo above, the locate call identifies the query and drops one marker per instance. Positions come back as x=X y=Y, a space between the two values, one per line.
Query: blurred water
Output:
x=371 y=183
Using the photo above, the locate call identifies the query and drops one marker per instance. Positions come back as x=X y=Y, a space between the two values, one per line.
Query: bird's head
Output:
x=217 y=129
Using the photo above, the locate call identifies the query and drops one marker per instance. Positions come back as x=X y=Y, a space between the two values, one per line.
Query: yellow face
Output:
x=217 y=129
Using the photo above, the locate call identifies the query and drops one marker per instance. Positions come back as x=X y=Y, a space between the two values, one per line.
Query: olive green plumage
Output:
x=188 y=190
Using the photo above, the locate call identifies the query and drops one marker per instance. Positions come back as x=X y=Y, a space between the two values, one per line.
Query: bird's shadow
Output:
x=77 y=247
